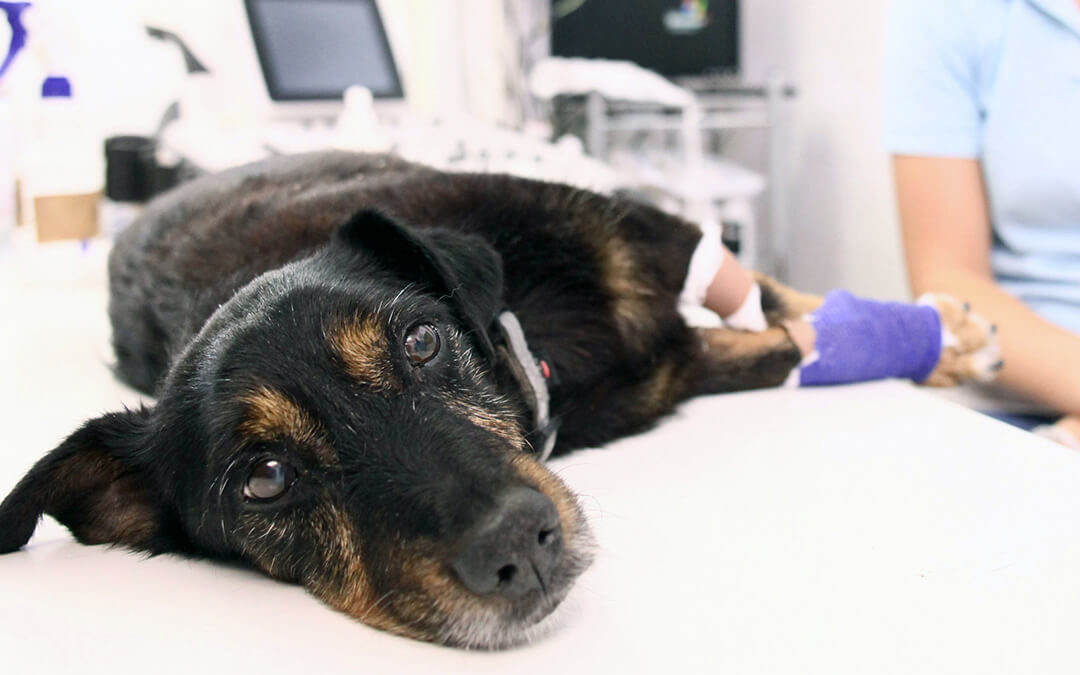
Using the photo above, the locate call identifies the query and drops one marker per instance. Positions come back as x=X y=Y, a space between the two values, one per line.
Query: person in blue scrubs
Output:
x=983 y=123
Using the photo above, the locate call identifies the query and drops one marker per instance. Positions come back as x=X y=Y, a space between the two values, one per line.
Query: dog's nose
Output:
x=513 y=548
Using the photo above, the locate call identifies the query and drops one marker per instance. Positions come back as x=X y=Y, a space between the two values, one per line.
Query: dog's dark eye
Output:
x=421 y=343
x=269 y=479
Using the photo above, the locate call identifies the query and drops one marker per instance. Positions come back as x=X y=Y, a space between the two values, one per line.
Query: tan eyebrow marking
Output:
x=361 y=344
x=272 y=415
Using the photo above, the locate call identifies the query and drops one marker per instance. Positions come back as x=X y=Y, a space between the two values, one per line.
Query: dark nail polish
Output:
x=997 y=366
x=993 y=329
x=967 y=306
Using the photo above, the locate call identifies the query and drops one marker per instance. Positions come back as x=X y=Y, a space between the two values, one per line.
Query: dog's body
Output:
x=593 y=281
x=336 y=407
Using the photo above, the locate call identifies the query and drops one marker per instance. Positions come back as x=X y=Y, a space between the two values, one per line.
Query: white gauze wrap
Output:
x=749 y=315
x=706 y=262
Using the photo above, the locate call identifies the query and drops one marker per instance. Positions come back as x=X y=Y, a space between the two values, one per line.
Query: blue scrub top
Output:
x=999 y=81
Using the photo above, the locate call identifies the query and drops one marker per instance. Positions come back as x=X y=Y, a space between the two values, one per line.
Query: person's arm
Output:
x=947 y=240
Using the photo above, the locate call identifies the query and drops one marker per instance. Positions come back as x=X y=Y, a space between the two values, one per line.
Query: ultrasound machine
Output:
x=278 y=71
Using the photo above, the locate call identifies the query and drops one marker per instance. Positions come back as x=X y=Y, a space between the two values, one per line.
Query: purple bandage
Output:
x=859 y=340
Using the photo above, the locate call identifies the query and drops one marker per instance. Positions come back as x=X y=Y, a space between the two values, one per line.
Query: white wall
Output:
x=453 y=54
x=843 y=219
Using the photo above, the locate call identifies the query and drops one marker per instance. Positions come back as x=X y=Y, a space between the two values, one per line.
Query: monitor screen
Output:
x=315 y=49
x=671 y=37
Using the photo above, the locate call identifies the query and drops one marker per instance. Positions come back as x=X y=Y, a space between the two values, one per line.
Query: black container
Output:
x=130 y=169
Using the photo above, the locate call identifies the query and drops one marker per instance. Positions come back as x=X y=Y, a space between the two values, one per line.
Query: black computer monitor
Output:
x=671 y=37
x=312 y=50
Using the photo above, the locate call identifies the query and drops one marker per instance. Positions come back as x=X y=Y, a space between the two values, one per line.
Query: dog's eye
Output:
x=269 y=479
x=421 y=343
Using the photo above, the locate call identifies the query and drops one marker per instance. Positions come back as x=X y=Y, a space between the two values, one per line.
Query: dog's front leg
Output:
x=863 y=339
x=781 y=303
x=843 y=338
x=735 y=360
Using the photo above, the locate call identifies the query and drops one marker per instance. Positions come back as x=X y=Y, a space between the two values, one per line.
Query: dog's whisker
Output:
x=373 y=608
x=267 y=533
x=393 y=303
x=402 y=292
x=222 y=479
x=206 y=512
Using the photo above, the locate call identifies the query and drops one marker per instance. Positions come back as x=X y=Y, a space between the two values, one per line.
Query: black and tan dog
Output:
x=343 y=403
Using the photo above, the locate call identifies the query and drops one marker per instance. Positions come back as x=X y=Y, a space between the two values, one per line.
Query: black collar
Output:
x=531 y=375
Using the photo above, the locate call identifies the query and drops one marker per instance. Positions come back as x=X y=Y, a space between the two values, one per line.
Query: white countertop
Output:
x=864 y=529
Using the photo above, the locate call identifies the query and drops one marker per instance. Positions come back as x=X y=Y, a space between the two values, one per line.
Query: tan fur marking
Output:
x=271 y=415
x=343 y=581
x=506 y=429
x=361 y=345
x=348 y=589
x=796 y=304
x=623 y=280
x=119 y=509
x=631 y=294
x=353 y=595
x=541 y=478
x=129 y=521
x=661 y=390
x=445 y=593
x=737 y=345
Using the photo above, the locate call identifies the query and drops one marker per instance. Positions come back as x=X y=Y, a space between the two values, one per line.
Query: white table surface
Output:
x=865 y=529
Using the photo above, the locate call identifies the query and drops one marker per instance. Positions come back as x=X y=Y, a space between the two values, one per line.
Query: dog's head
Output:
x=337 y=424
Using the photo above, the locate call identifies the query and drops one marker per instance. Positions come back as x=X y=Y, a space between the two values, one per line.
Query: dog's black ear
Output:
x=462 y=267
x=94 y=486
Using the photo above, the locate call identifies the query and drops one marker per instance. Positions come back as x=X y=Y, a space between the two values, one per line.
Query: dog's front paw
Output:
x=781 y=303
x=969 y=344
